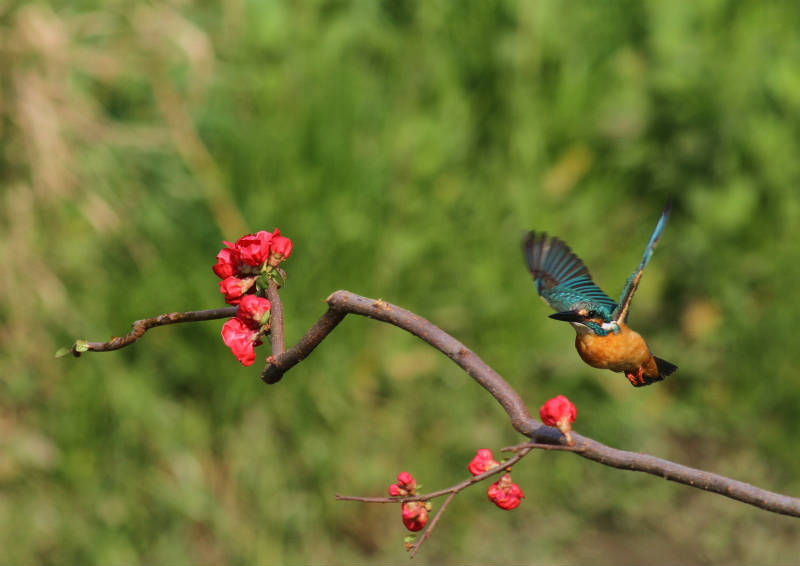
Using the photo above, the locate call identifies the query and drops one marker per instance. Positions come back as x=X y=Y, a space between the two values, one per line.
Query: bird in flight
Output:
x=603 y=340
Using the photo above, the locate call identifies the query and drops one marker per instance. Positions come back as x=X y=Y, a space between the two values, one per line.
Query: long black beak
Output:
x=568 y=316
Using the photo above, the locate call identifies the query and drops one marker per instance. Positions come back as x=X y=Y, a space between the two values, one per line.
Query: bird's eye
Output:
x=591 y=314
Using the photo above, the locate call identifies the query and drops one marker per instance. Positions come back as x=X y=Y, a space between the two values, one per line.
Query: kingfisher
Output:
x=602 y=339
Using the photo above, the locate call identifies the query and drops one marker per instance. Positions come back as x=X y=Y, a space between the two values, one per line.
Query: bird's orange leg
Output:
x=637 y=378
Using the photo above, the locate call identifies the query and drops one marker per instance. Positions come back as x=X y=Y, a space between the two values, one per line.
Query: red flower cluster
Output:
x=504 y=493
x=415 y=513
x=406 y=485
x=559 y=412
x=239 y=265
x=245 y=268
x=482 y=462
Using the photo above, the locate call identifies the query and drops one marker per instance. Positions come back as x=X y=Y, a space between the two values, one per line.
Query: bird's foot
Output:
x=636 y=378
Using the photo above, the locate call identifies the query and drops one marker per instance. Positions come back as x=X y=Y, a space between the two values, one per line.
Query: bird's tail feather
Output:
x=665 y=368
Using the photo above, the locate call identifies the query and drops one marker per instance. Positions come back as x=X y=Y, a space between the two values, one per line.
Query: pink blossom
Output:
x=227 y=261
x=233 y=288
x=559 y=412
x=280 y=246
x=253 y=311
x=504 y=493
x=241 y=339
x=415 y=515
x=406 y=484
x=482 y=462
x=254 y=248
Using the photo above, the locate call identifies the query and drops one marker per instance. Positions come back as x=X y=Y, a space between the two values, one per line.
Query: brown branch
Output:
x=142 y=326
x=341 y=303
x=277 y=365
x=276 y=339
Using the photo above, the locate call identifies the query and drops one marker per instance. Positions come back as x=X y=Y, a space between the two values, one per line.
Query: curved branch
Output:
x=142 y=326
x=342 y=303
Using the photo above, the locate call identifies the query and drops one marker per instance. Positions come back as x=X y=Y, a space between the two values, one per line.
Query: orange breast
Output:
x=626 y=351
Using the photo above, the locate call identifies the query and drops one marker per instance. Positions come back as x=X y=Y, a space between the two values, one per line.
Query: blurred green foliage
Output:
x=404 y=146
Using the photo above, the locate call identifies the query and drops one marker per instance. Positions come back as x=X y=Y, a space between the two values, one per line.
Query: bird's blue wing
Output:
x=621 y=312
x=562 y=279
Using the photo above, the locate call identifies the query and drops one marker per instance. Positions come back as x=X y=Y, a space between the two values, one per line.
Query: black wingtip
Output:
x=667 y=207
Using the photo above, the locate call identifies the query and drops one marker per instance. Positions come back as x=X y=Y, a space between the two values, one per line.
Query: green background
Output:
x=404 y=147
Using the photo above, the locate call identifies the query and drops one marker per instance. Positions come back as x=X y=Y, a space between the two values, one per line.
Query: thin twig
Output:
x=460 y=486
x=451 y=492
x=432 y=525
x=142 y=326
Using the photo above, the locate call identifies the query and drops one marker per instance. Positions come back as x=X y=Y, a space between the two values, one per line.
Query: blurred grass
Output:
x=403 y=146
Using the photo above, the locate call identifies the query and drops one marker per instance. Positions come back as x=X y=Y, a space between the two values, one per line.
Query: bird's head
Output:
x=596 y=320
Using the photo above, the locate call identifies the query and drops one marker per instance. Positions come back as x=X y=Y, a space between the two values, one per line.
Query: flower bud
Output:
x=406 y=485
x=254 y=311
x=482 y=462
x=227 y=261
x=233 y=288
x=407 y=480
x=504 y=493
x=280 y=248
x=415 y=515
x=559 y=412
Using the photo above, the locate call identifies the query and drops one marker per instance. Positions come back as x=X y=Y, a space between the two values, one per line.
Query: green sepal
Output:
x=262 y=284
x=276 y=276
x=81 y=346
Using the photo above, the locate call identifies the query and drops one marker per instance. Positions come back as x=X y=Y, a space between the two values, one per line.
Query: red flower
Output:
x=280 y=248
x=254 y=248
x=241 y=339
x=406 y=484
x=482 y=462
x=253 y=311
x=233 y=288
x=559 y=412
x=227 y=261
x=504 y=493
x=415 y=515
